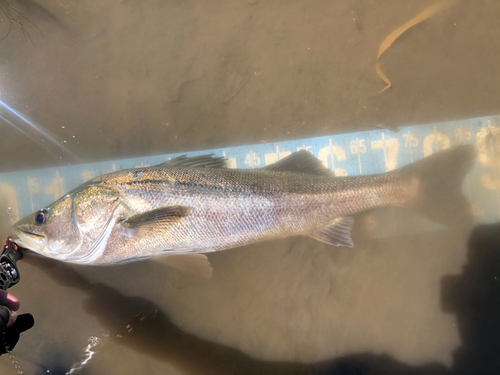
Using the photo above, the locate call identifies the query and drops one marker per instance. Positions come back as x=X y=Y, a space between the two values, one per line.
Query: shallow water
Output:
x=123 y=79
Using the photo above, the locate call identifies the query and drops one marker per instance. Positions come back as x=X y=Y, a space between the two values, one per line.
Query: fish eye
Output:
x=41 y=217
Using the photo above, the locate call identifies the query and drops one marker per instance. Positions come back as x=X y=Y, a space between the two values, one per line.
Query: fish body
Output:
x=196 y=205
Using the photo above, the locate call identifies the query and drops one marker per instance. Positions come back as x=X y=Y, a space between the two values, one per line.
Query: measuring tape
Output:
x=363 y=153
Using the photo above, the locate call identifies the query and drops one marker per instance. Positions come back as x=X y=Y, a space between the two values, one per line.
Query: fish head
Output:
x=51 y=231
x=75 y=228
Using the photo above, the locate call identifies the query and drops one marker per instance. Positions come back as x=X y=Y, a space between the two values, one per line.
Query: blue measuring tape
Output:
x=362 y=153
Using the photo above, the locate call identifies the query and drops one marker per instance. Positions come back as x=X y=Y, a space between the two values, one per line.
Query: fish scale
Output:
x=233 y=207
x=196 y=205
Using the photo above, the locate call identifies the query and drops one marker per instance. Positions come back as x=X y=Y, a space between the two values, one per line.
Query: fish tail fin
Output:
x=437 y=181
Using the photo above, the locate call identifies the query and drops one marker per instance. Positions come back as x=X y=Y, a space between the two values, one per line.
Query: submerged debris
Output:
x=429 y=12
x=16 y=18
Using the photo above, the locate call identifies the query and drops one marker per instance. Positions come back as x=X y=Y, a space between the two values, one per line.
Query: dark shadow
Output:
x=473 y=296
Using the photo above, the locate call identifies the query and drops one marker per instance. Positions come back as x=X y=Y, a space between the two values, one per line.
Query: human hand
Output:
x=11 y=325
x=8 y=307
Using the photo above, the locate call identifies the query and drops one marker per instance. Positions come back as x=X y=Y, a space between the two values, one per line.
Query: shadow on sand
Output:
x=474 y=296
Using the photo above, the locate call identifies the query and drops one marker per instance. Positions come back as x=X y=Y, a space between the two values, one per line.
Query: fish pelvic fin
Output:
x=197 y=264
x=157 y=220
x=435 y=188
x=337 y=233
x=301 y=162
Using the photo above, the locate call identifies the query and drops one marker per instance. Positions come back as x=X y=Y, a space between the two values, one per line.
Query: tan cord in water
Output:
x=429 y=12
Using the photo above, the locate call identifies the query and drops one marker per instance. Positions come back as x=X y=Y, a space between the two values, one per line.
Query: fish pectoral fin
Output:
x=155 y=220
x=202 y=161
x=301 y=162
x=337 y=233
x=197 y=264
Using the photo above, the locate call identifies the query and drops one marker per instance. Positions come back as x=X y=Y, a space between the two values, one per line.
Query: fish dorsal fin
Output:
x=337 y=233
x=301 y=162
x=202 y=161
x=155 y=220
x=197 y=264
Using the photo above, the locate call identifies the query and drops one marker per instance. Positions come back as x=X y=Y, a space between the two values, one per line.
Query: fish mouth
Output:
x=30 y=240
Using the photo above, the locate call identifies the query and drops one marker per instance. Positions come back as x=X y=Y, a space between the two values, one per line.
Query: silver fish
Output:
x=197 y=205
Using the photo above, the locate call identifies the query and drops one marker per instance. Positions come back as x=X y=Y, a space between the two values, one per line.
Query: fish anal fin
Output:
x=338 y=233
x=154 y=220
x=202 y=161
x=301 y=162
x=197 y=264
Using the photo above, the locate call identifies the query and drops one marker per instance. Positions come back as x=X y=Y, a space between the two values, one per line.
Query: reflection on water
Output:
x=121 y=79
